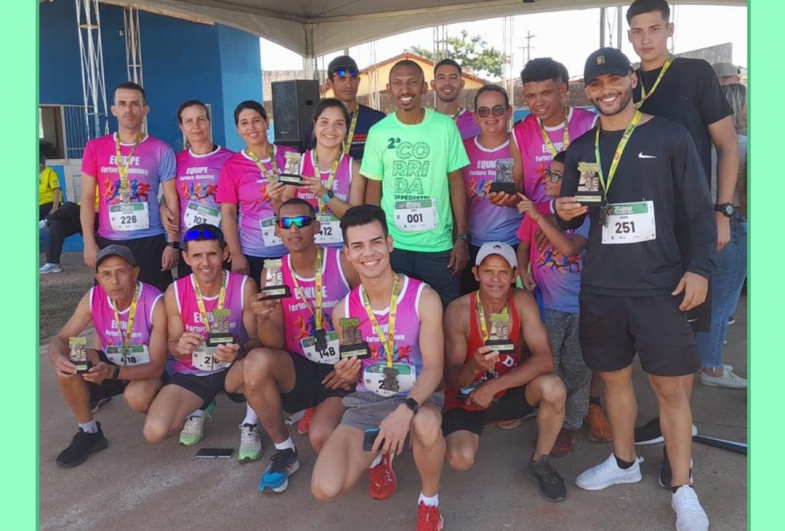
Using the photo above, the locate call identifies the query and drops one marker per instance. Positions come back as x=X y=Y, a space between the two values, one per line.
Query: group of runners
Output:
x=378 y=296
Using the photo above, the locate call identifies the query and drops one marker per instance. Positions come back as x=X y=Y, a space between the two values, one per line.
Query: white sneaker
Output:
x=49 y=268
x=729 y=379
x=193 y=430
x=608 y=473
x=690 y=516
x=250 y=443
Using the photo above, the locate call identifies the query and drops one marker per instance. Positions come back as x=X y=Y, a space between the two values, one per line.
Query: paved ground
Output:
x=135 y=486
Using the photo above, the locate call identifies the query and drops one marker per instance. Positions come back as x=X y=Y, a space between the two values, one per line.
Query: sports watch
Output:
x=412 y=404
x=465 y=237
x=725 y=208
x=329 y=195
x=173 y=245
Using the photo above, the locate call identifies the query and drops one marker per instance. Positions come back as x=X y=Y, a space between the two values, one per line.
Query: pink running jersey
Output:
x=151 y=164
x=487 y=222
x=341 y=183
x=192 y=320
x=103 y=316
x=242 y=183
x=466 y=124
x=299 y=320
x=407 y=326
x=197 y=179
x=534 y=152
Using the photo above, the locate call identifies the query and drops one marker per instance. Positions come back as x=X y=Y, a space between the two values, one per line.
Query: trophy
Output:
x=291 y=172
x=274 y=286
x=589 y=191
x=219 y=329
x=500 y=331
x=352 y=345
x=390 y=382
x=78 y=354
x=503 y=181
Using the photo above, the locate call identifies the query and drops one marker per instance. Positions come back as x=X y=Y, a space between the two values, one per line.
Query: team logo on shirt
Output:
x=479 y=187
x=197 y=191
x=139 y=191
x=401 y=353
x=552 y=260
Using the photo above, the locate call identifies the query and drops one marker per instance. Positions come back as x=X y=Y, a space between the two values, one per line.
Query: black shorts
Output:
x=108 y=388
x=613 y=328
x=308 y=390
x=512 y=405
x=147 y=252
x=700 y=316
x=206 y=387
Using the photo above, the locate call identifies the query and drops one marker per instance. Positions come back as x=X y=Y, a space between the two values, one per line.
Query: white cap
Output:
x=500 y=248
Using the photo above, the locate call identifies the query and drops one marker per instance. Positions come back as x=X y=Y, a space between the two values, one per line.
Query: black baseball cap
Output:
x=604 y=61
x=115 y=250
x=342 y=62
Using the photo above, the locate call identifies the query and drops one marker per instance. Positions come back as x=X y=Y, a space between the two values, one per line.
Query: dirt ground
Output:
x=59 y=293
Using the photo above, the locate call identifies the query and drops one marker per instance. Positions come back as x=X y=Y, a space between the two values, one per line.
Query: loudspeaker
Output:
x=293 y=104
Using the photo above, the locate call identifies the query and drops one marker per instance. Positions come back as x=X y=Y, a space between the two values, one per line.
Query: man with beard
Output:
x=447 y=84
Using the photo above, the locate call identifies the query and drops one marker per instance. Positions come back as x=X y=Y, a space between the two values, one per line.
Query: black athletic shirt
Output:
x=365 y=120
x=688 y=94
x=668 y=171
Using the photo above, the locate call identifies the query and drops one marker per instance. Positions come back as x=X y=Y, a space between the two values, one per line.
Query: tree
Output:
x=472 y=53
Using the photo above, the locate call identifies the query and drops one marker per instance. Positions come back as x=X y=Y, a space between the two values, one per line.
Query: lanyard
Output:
x=200 y=300
x=617 y=156
x=390 y=342
x=131 y=318
x=122 y=168
x=665 y=67
x=457 y=113
x=330 y=179
x=347 y=145
x=317 y=309
x=270 y=177
x=565 y=138
x=481 y=315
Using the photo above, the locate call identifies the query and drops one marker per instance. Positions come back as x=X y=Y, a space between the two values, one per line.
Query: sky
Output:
x=728 y=24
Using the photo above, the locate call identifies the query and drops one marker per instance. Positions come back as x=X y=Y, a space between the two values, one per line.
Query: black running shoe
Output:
x=96 y=404
x=551 y=483
x=666 y=474
x=82 y=445
x=649 y=433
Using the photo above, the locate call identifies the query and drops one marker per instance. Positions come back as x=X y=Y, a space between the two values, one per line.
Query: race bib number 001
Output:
x=196 y=214
x=630 y=223
x=129 y=216
x=331 y=353
x=330 y=231
x=268 y=233
x=373 y=378
x=416 y=216
x=135 y=355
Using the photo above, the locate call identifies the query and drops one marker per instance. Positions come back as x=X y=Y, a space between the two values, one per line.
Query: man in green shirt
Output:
x=413 y=160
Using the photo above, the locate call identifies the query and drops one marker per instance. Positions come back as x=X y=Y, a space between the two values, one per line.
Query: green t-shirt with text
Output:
x=413 y=161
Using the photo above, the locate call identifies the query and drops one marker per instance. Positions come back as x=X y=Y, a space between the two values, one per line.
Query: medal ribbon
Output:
x=330 y=179
x=481 y=314
x=617 y=156
x=270 y=177
x=668 y=62
x=389 y=343
x=347 y=144
x=316 y=311
x=457 y=113
x=565 y=139
x=200 y=300
x=122 y=168
x=131 y=318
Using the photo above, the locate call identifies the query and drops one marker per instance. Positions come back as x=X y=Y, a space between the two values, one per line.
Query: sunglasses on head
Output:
x=553 y=177
x=346 y=73
x=497 y=110
x=202 y=234
x=296 y=221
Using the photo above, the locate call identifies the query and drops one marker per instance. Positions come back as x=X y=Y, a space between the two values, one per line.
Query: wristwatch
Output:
x=725 y=208
x=465 y=237
x=329 y=195
x=412 y=404
x=173 y=245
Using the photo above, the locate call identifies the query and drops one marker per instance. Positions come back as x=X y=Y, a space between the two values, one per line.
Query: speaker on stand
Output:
x=293 y=105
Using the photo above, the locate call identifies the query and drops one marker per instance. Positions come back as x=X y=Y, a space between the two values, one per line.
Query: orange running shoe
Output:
x=429 y=518
x=382 y=480
x=599 y=427
x=564 y=443
x=305 y=422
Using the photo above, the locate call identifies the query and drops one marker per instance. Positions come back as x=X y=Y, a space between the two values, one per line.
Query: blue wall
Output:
x=181 y=60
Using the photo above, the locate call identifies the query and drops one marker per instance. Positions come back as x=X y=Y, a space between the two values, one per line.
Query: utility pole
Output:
x=602 y=27
x=528 y=46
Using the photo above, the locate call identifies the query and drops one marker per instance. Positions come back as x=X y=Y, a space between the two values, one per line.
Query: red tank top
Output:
x=506 y=363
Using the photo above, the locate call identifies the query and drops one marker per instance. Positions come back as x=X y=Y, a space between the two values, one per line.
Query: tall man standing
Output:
x=447 y=85
x=415 y=156
x=127 y=168
x=636 y=287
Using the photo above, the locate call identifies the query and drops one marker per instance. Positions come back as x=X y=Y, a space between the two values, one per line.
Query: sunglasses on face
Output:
x=497 y=110
x=202 y=234
x=346 y=73
x=553 y=177
x=296 y=221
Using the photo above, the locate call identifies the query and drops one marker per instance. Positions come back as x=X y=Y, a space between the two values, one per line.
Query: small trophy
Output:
x=500 y=332
x=352 y=345
x=219 y=329
x=274 y=286
x=589 y=191
x=78 y=354
x=390 y=382
x=503 y=181
x=291 y=172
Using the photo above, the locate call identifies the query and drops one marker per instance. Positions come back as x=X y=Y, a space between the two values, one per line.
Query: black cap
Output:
x=115 y=250
x=604 y=61
x=342 y=62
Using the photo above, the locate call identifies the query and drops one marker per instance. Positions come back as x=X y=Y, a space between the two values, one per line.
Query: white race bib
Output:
x=330 y=231
x=416 y=216
x=373 y=378
x=203 y=359
x=196 y=214
x=129 y=216
x=630 y=223
x=268 y=233
x=135 y=355
x=329 y=356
